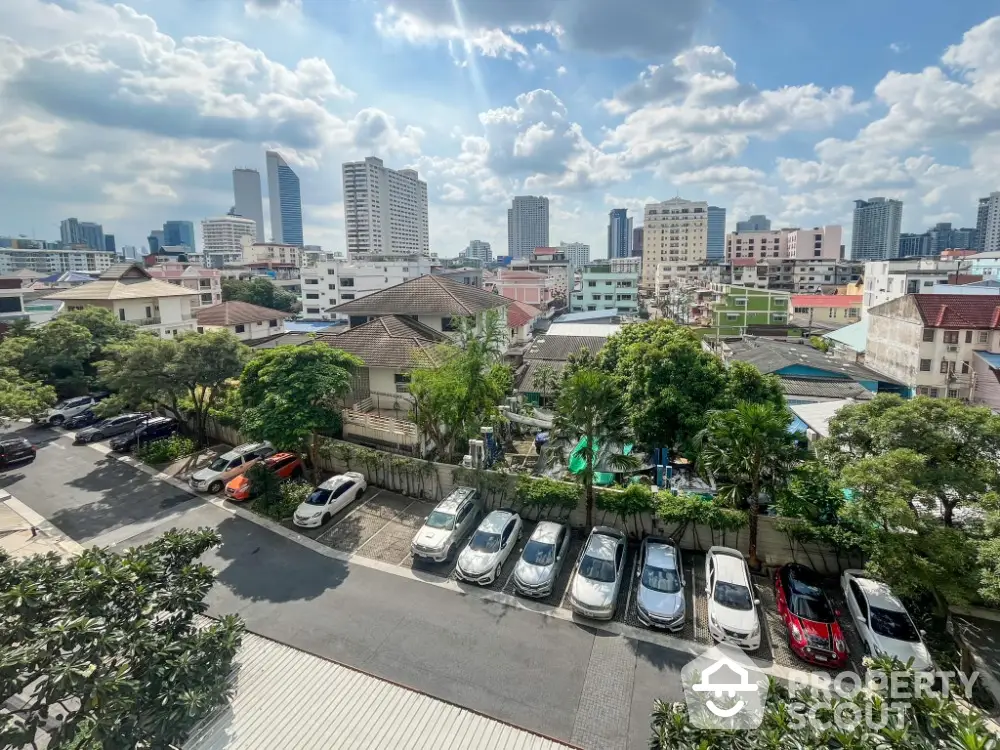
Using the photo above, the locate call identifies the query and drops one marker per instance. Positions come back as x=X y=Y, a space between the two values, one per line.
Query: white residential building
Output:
x=675 y=234
x=245 y=321
x=818 y=242
x=527 y=225
x=989 y=239
x=247 y=198
x=479 y=250
x=888 y=279
x=875 y=233
x=608 y=286
x=45 y=262
x=270 y=252
x=222 y=239
x=576 y=253
x=385 y=210
x=207 y=282
x=330 y=282
x=763 y=243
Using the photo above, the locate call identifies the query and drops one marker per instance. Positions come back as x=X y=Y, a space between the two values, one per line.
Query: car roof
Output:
x=14 y=441
x=273 y=459
x=495 y=521
x=601 y=545
x=731 y=569
x=546 y=531
x=455 y=498
x=335 y=481
x=239 y=450
x=879 y=595
x=159 y=420
x=661 y=555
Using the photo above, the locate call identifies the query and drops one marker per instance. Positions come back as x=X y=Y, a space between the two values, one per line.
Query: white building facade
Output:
x=247 y=199
x=385 y=210
x=45 y=262
x=222 y=239
x=479 y=250
x=989 y=240
x=887 y=280
x=675 y=233
x=527 y=225
x=270 y=252
x=332 y=281
x=576 y=253
x=818 y=242
x=875 y=234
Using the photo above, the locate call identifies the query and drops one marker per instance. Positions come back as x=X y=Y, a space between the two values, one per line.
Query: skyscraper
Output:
x=717 y=233
x=156 y=240
x=982 y=217
x=222 y=239
x=876 y=229
x=479 y=250
x=247 y=200
x=385 y=210
x=619 y=233
x=675 y=234
x=92 y=235
x=637 y=239
x=576 y=253
x=69 y=232
x=914 y=245
x=109 y=243
x=988 y=223
x=286 y=201
x=756 y=223
x=527 y=225
x=179 y=233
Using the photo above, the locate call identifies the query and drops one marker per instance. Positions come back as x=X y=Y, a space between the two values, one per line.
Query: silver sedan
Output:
x=543 y=557
x=594 y=588
x=660 y=598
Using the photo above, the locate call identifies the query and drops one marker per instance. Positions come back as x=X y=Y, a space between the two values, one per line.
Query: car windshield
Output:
x=319 y=497
x=485 y=541
x=539 y=553
x=219 y=464
x=602 y=571
x=815 y=608
x=895 y=625
x=733 y=595
x=440 y=519
x=664 y=580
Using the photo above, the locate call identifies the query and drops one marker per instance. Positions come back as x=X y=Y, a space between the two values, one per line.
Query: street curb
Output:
x=39 y=522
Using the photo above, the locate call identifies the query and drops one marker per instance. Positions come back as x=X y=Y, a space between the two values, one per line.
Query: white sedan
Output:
x=882 y=621
x=732 y=607
x=328 y=499
x=481 y=560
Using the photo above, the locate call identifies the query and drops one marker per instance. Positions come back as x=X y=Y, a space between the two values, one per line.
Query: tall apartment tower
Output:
x=179 y=233
x=577 y=253
x=675 y=233
x=988 y=223
x=69 y=232
x=92 y=235
x=619 y=233
x=527 y=225
x=717 y=233
x=285 y=199
x=756 y=223
x=479 y=250
x=222 y=239
x=876 y=229
x=637 y=237
x=385 y=210
x=247 y=198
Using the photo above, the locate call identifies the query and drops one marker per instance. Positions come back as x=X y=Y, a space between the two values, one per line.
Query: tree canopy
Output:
x=260 y=292
x=20 y=397
x=109 y=643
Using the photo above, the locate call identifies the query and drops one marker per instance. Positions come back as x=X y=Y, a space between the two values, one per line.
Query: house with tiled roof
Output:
x=826 y=311
x=245 y=321
x=548 y=352
x=939 y=345
x=206 y=281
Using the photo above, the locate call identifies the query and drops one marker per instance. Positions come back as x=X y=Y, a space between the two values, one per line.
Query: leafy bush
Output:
x=166 y=450
x=273 y=498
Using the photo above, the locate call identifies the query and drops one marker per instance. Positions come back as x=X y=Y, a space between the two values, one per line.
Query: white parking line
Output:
x=349 y=513
x=631 y=583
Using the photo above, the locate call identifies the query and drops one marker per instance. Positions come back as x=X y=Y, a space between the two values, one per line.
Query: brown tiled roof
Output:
x=560 y=347
x=520 y=313
x=388 y=341
x=526 y=375
x=234 y=313
x=958 y=310
x=123 y=281
x=425 y=295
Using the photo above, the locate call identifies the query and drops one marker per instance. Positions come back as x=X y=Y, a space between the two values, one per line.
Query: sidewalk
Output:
x=24 y=533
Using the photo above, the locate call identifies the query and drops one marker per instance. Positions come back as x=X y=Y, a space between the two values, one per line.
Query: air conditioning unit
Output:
x=952 y=348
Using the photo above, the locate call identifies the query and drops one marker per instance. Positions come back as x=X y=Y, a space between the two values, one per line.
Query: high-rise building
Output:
x=222 y=239
x=156 y=240
x=247 y=200
x=109 y=243
x=131 y=252
x=818 y=242
x=577 y=253
x=385 y=210
x=286 y=201
x=637 y=237
x=179 y=233
x=914 y=245
x=988 y=223
x=69 y=232
x=717 y=233
x=619 y=233
x=527 y=225
x=479 y=250
x=92 y=235
x=675 y=233
x=756 y=223
x=875 y=233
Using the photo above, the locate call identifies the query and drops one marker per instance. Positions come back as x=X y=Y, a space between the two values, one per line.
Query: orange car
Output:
x=283 y=465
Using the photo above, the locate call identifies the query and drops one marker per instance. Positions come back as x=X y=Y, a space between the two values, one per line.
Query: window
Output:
x=928 y=334
x=241 y=328
x=944 y=366
x=347 y=282
x=312 y=296
x=928 y=283
x=779 y=302
x=200 y=329
x=312 y=281
x=951 y=337
x=206 y=299
x=833 y=313
x=346 y=297
x=983 y=337
x=591 y=283
x=952 y=393
x=801 y=310
x=968 y=337
x=447 y=324
x=925 y=365
x=312 y=311
x=272 y=324
x=609 y=297
x=331 y=287
x=731 y=316
x=934 y=393
x=331 y=272
x=923 y=390
x=740 y=301
x=400 y=378
x=121 y=313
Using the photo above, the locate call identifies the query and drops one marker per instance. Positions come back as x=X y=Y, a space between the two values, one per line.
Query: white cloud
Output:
x=415 y=30
x=273 y=8
x=561 y=70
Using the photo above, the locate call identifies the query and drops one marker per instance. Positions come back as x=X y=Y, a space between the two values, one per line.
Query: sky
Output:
x=135 y=113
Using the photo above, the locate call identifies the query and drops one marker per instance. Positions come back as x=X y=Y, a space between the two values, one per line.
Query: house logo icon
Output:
x=724 y=690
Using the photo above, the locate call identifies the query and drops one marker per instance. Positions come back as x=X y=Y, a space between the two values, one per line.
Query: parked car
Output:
x=882 y=621
x=813 y=631
x=15 y=450
x=491 y=544
x=67 y=408
x=83 y=419
x=110 y=427
x=541 y=560
x=328 y=499
x=732 y=608
x=214 y=476
x=154 y=428
x=447 y=525
x=593 y=590
x=660 y=601
x=282 y=465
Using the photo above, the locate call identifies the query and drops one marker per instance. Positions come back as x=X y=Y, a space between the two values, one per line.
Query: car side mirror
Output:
x=922 y=632
x=862 y=619
x=756 y=602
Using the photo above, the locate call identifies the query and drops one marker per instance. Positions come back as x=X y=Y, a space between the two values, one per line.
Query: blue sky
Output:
x=135 y=113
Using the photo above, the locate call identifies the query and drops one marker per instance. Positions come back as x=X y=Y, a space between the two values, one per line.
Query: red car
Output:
x=813 y=631
x=282 y=465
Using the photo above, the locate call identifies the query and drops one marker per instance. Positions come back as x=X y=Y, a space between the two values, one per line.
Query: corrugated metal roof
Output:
x=286 y=698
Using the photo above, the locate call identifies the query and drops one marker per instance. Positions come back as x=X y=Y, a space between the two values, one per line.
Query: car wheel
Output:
x=325 y=519
x=496 y=573
x=57 y=420
x=95 y=437
x=215 y=487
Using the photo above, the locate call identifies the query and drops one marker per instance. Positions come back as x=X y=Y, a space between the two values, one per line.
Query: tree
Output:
x=749 y=451
x=746 y=383
x=545 y=380
x=20 y=397
x=259 y=292
x=590 y=409
x=188 y=376
x=109 y=644
x=57 y=354
x=105 y=329
x=292 y=395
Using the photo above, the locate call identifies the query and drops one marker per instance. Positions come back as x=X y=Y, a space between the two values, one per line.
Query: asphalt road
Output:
x=542 y=673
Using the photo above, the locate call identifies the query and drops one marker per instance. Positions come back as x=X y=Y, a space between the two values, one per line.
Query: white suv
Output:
x=62 y=411
x=214 y=476
x=446 y=526
x=732 y=608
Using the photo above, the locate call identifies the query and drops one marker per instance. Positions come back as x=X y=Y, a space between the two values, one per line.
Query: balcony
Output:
x=154 y=321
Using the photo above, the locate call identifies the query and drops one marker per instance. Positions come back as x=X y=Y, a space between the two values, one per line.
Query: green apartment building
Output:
x=612 y=285
x=737 y=308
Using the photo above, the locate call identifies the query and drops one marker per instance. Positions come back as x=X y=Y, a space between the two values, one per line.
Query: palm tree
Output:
x=590 y=408
x=545 y=380
x=747 y=451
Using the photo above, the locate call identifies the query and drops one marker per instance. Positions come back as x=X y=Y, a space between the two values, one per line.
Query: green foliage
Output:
x=685 y=509
x=544 y=495
x=291 y=395
x=276 y=500
x=166 y=450
x=546 y=381
x=57 y=354
x=746 y=383
x=259 y=292
x=820 y=343
x=629 y=504
x=20 y=397
x=105 y=329
x=116 y=635
x=813 y=493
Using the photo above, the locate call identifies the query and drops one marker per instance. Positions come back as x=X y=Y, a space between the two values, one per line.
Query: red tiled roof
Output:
x=958 y=310
x=744 y=261
x=547 y=250
x=826 y=300
x=519 y=314
x=236 y=313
